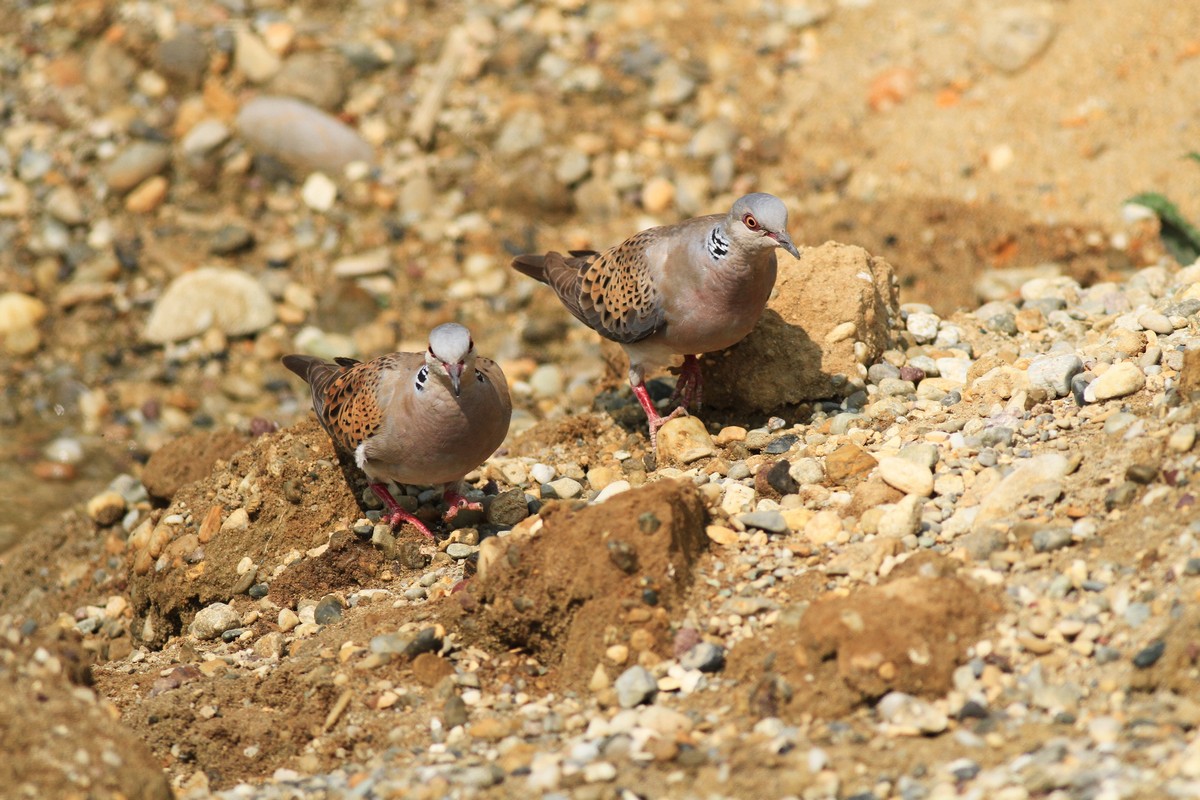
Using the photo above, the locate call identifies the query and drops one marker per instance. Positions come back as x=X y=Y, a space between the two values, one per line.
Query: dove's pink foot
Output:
x=456 y=502
x=656 y=420
x=397 y=515
x=689 y=390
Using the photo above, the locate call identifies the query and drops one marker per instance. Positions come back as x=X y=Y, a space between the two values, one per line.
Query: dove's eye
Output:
x=750 y=222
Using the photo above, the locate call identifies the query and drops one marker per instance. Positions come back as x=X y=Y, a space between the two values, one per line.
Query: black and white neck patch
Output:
x=717 y=244
x=422 y=377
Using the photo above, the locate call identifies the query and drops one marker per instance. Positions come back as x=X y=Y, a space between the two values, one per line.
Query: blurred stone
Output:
x=135 y=164
x=64 y=205
x=19 y=313
x=252 y=56
x=300 y=135
x=183 y=58
x=672 y=86
x=230 y=239
x=319 y=78
x=319 y=192
x=523 y=131
x=148 y=195
x=204 y=137
x=227 y=299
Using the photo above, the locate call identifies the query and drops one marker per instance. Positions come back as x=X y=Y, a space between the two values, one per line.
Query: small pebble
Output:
x=1149 y=655
x=328 y=610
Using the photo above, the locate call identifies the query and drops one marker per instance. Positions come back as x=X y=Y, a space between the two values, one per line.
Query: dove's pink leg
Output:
x=456 y=501
x=396 y=514
x=656 y=419
x=689 y=390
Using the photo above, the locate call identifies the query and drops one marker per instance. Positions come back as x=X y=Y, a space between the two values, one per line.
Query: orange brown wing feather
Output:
x=610 y=292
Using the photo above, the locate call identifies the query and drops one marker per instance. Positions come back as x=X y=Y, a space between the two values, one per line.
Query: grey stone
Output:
x=704 y=656
x=635 y=686
x=1047 y=539
x=770 y=521
x=1054 y=373
x=134 y=164
x=459 y=551
x=300 y=135
x=878 y=372
x=328 y=610
x=183 y=58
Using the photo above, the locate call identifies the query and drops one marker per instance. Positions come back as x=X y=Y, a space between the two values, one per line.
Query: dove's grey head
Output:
x=451 y=353
x=760 y=220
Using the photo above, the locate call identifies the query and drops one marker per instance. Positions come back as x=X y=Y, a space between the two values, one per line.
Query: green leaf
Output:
x=1194 y=156
x=1179 y=236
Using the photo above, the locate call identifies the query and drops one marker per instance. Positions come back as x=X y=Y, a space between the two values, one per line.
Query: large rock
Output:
x=1037 y=480
x=300 y=135
x=791 y=356
x=218 y=297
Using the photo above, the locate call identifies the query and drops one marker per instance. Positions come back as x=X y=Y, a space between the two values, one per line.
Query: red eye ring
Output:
x=750 y=222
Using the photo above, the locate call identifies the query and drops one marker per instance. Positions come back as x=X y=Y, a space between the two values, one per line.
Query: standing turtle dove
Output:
x=414 y=418
x=685 y=289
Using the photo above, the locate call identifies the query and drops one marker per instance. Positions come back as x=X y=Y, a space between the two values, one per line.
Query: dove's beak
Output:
x=785 y=241
x=455 y=372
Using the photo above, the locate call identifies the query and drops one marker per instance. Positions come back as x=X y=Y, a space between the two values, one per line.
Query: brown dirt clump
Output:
x=1177 y=668
x=591 y=577
x=826 y=658
x=227 y=722
x=277 y=502
x=58 y=739
x=187 y=459
x=940 y=248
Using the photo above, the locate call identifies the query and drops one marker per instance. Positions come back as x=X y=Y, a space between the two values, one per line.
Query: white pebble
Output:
x=319 y=192
x=566 y=488
x=542 y=473
x=907 y=476
x=64 y=450
x=613 y=489
x=923 y=326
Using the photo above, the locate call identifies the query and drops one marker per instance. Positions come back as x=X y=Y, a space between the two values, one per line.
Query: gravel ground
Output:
x=954 y=556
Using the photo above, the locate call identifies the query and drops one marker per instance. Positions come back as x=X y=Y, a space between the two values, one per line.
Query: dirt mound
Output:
x=277 y=503
x=58 y=737
x=188 y=459
x=826 y=658
x=591 y=577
